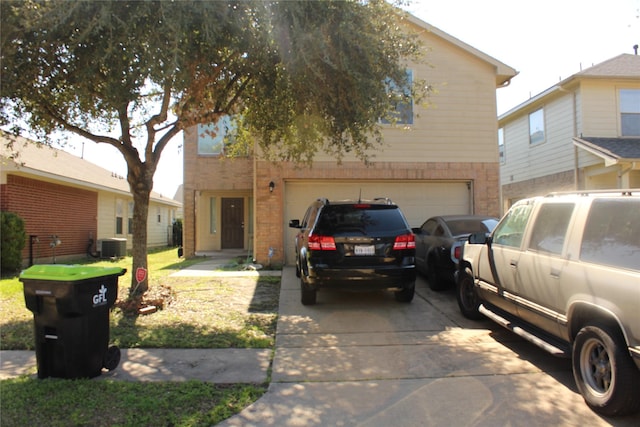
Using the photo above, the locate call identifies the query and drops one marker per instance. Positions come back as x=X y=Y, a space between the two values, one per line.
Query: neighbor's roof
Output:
x=621 y=67
x=28 y=158
x=612 y=150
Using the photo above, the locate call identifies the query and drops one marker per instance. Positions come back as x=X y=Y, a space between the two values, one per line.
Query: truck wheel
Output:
x=604 y=372
x=406 y=294
x=307 y=294
x=467 y=297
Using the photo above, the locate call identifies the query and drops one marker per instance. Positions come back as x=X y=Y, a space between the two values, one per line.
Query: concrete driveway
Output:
x=364 y=359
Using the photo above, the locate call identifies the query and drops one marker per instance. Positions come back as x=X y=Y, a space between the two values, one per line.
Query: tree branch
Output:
x=78 y=130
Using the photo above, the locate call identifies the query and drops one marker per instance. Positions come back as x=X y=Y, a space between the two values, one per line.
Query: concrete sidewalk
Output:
x=233 y=365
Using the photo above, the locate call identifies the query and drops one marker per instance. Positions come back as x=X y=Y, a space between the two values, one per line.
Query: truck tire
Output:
x=467 y=297
x=604 y=372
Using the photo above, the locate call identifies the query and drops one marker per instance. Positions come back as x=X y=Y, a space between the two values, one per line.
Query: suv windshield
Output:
x=364 y=218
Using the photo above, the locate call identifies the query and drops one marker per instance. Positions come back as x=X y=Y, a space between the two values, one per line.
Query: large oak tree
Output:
x=300 y=76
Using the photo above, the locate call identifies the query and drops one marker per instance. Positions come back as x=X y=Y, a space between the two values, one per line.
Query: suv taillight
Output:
x=406 y=241
x=321 y=243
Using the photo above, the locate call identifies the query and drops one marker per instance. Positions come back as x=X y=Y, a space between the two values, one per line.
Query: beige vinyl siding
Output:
x=107 y=216
x=516 y=143
x=157 y=233
x=458 y=124
x=555 y=154
x=602 y=107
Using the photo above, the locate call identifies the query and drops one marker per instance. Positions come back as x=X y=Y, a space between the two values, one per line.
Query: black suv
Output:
x=363 y=245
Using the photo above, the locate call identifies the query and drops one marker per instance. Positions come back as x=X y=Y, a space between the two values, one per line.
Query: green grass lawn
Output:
x=196 y=312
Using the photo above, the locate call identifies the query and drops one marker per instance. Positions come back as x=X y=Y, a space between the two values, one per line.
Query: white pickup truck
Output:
x=563 y=271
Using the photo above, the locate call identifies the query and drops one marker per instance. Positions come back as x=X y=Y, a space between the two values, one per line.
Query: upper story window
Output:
x=213 y=136
x=501 y=145
x=403 y=112
x=536 y=127
x=630 y=112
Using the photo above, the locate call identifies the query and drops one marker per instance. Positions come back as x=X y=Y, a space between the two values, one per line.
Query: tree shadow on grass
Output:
x=239 y=316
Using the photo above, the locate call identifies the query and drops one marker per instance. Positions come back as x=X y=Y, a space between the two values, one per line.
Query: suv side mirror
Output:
x=294 y=223
x=478 y=238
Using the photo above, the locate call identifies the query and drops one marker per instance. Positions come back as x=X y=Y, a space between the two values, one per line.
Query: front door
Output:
x=232 y=223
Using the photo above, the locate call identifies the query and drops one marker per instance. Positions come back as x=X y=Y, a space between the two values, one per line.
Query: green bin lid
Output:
x=61 y=272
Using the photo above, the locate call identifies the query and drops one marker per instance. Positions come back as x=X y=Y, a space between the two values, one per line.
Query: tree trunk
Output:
x=141 y=190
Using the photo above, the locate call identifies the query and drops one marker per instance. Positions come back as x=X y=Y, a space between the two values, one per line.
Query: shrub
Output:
x=12 y=242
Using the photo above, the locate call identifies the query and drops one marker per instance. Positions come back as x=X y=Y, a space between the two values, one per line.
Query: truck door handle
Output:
x=555 y=273
x=513 y=263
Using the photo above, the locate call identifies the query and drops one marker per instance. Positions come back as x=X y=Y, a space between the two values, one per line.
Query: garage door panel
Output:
x=418 y=200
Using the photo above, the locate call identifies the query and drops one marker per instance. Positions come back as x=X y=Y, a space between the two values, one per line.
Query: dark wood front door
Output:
x=232 y=223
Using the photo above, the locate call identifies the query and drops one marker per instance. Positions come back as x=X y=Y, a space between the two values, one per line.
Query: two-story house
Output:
x=582 y=133
x=73 y=208
x=441 y=160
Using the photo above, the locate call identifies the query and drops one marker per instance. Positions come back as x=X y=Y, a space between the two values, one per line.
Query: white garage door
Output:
x=418 y=200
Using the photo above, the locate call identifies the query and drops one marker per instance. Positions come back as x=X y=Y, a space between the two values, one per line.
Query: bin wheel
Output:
x=111 y=358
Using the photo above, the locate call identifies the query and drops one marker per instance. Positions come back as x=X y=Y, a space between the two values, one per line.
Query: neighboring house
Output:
x=63 y=197
x=443 y=160
x=581 y=134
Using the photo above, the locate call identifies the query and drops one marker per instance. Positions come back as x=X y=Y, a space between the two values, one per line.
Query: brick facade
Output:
x=512 y=192
x=207 y=173
x=50 y=209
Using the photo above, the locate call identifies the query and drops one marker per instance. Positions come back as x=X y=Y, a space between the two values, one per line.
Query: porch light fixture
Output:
x=272 y=185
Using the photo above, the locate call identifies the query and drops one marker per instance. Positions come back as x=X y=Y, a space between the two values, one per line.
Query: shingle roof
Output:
x=624 y=66
x=613 y=149
x=621 y=66
x=29 y=158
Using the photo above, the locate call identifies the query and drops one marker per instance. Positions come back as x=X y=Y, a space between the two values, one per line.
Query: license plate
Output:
x=364 y=250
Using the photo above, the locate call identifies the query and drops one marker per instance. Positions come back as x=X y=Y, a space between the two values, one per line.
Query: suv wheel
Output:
x=468 y=301
x=603 y=370
x=406 y=294
x=307 y=294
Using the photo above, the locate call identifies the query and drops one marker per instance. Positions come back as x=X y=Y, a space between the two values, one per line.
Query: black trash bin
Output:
x=70 y=305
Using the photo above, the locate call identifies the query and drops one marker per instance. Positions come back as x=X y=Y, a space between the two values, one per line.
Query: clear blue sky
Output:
x=544 y=40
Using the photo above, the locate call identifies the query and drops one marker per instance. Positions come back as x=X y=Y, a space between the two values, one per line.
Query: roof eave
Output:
x=23 y=170
x=610 y=159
